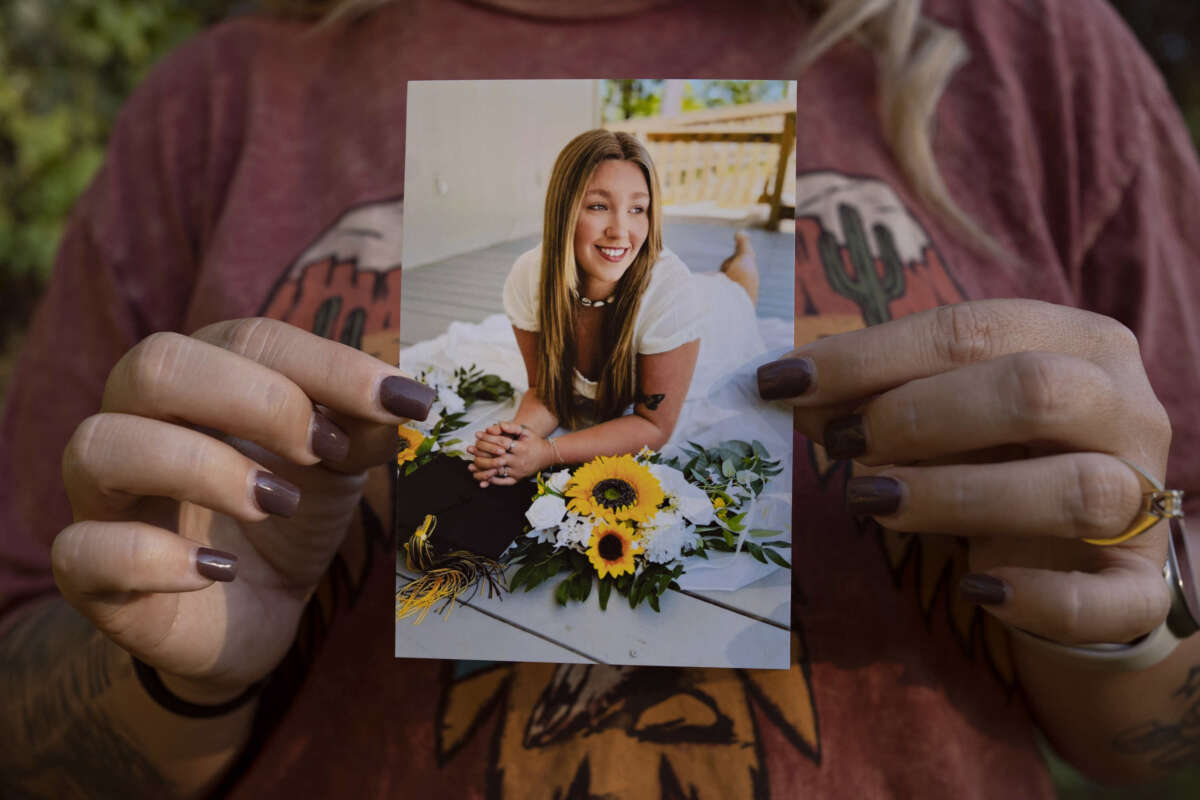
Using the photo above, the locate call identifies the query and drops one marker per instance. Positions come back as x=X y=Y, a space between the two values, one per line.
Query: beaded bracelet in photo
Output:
x=158 y=691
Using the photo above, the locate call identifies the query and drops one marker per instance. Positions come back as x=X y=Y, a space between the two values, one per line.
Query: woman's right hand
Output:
x=250 y=438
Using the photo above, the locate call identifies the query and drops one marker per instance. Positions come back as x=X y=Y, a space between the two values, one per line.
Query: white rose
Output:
x=689 y=499
x=558 y=481
x=450 y=402
x=547 y=511
x=695 y=505
x=746 y=477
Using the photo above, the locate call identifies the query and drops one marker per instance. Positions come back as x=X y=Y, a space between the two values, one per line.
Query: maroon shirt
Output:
x=247 y=145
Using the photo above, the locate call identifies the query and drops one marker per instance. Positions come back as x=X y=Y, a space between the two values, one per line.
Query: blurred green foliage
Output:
x=626 y=99
x=67 y=66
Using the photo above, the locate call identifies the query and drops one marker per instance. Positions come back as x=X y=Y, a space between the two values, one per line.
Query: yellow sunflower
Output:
x=615 y=488
x=410 y=440
x=611 y=549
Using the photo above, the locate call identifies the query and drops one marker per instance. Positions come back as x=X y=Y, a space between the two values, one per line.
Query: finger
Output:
x=1116 y=604
x=515 y=429
x=503 y=481
x=486 y=462
x=488 y=447
x=1076 y=495
x=865 y=362
x=114 y=460
x=176 y=378
x=370 y=442
x=501 y=439
x=1044 y=398
x=92 y=559
x=333 y=374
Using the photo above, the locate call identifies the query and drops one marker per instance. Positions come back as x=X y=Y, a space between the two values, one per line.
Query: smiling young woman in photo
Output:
x=605 y=317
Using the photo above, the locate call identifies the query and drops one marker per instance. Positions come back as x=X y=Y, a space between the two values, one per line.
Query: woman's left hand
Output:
x=1006 y=422
x=508 y=452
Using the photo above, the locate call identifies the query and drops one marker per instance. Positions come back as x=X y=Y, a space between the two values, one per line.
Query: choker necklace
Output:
x=586 y=303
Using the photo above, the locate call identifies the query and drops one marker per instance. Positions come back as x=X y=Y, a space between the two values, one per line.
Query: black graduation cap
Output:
x=453 y=530
x=483 y=521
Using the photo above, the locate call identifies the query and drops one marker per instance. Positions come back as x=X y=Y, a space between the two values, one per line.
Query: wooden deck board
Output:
x=690 y=631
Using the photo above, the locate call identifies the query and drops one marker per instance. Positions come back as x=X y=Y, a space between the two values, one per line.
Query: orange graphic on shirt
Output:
x=584 y=731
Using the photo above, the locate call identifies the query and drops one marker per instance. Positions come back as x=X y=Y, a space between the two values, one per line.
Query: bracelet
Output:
x=557 y=455
x=158 y=691
x=1182 y=621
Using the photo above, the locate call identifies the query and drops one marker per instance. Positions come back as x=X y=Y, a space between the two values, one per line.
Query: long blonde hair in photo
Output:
x=557 y=306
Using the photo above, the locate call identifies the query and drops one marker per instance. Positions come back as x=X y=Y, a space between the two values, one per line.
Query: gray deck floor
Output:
x=467 y=288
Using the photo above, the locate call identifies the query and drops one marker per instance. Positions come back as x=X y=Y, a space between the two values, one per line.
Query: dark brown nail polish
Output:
x=873 y=495
x=275 y=495
x=329 y=442
x=845 y=437
x=984 y=589
x=405 y=397
x=216 y=565
x=787 y=377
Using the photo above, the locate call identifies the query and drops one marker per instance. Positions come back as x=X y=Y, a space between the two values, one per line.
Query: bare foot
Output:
x=741 y=267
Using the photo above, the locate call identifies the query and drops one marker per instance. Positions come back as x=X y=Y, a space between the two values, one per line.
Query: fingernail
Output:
x=873 y=495
x=275 y=495
x=787 y=377
x=405 y=397
x=984 y=589
x=216 y=565
x=845 y=437
x=329 y=442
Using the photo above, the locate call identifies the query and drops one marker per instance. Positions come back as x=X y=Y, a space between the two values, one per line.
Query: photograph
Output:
x=593 y=271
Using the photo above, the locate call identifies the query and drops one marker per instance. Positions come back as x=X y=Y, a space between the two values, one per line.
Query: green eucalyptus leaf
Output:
x=778 y=559
x=603 y=591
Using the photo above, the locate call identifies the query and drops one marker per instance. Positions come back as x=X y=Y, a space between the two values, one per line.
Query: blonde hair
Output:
x=916 y=57
x=557 y=307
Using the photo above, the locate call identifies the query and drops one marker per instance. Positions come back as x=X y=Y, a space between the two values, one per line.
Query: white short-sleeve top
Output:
x=673 y=310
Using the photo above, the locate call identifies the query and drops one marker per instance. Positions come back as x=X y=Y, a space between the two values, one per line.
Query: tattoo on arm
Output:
x=651 y=401
x=54 y=670
x=1169 y=746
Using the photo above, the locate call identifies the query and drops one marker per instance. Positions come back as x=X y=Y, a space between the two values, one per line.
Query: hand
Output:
x=508 y=452
x=213 y=443
x=1000 y=421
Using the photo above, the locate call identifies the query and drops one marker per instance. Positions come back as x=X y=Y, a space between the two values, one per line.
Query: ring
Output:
x=1157 y=504
x=510 y=444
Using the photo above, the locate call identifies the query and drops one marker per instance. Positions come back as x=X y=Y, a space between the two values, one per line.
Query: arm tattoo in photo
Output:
x=1169 y=746
x=651 y=401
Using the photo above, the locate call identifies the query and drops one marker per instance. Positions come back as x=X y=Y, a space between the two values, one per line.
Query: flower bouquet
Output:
x=456 y=391
x=627 y=522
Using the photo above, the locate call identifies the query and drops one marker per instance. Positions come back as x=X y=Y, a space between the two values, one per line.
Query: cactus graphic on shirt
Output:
x=872 y=292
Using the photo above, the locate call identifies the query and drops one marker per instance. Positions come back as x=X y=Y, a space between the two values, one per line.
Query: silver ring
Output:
x=504 y=474
x=510 y=446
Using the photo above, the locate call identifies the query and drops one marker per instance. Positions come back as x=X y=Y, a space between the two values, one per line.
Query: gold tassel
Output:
x=445 y=578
